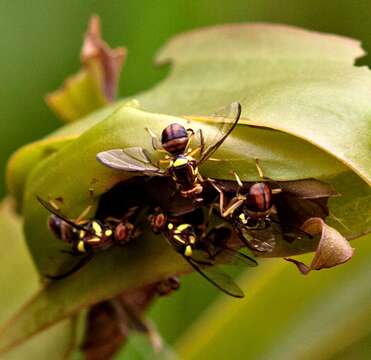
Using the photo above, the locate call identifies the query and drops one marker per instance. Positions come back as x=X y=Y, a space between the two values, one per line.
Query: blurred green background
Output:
x=40 y=42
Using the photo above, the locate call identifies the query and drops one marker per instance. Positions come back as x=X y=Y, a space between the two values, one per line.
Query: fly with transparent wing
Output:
x=182 y=162
x=205 y=251
x=87 y=237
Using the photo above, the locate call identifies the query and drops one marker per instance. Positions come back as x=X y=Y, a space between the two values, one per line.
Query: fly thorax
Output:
x=184 y=237
x=184 y=171
x=252 y=220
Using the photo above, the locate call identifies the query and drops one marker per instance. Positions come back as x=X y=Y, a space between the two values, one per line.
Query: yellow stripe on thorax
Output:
x=97 y=228
x=180 y=162
x=180 y=228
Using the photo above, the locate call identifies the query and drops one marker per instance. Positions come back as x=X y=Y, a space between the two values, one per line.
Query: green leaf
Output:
x=297 y=81
x=286 y=316
x=124 y=128
x=25 y=159
x=17 y=264
x=58 y=342
x=302 y=84
x=95 y=85
x=17 y=261
x=114 y=270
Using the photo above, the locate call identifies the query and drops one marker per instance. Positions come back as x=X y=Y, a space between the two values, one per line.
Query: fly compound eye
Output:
x=260 y=197
x=174 y=139
x=55 y=224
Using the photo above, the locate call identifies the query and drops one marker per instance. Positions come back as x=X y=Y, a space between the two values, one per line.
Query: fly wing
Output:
x=216 y=246
x=235 y=258
x=59 y=214
x=228 y=120
x=82 y=262
x=219 y=279
x=133 y=159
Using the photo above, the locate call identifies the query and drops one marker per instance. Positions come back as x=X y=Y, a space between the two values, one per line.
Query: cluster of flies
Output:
x=248 y=209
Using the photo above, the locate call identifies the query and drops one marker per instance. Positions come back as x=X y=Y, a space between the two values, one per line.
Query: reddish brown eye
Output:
x=260 y=197
x=174 y=139
x=158 y=222
x=55 y=224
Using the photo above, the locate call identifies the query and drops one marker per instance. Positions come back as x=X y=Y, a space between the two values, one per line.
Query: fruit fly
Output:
x=254 y=216
x=182 y=163
x=250 y=210
x=251 y=207
x=87 y=237
x=202 y=249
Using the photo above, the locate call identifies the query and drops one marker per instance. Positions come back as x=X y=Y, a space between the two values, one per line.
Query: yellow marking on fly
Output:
x=97 y=228
x=170 y=226
x=188 y=251
x=243 y=218
x=81 y=246
x=108 y=232
x=192 y=239
x=81 y=234
x=180 y=162
x=180 y=228
x=179 y=239
x=93 y=240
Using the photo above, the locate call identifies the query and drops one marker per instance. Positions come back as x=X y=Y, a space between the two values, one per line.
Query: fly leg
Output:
x=265 y=178
x=156 y=145
x=84 y=214
x=235 y=203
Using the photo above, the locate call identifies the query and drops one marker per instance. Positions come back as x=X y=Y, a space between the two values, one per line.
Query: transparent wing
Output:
x=263 y=240
x=59 y=214
x=219 y=279
x=234 y=257
x=215 y=245
x=267 y=240
x=228 y=118
x=133 y=159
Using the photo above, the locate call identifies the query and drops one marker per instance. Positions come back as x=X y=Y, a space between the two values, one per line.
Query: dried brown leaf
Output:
x=95 y=85
x=96 y=52
x=332 y=250
x=110 y=322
